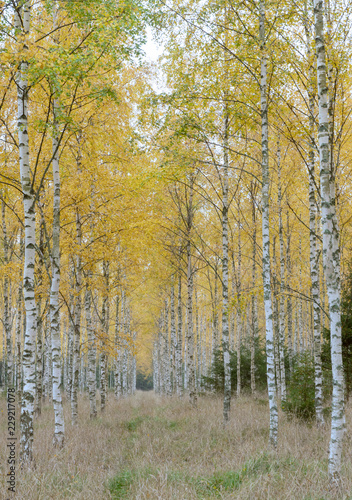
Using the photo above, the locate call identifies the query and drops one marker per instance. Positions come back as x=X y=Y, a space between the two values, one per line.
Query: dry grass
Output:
x=146 y=447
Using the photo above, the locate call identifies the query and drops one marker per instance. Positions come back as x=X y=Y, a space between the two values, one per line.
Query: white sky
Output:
x=152 y=49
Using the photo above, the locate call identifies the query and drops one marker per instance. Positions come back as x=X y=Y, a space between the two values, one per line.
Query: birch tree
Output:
x=22 y=26
x=55 y=279
x=265 y=233
x=331 y=253
x=54 y=292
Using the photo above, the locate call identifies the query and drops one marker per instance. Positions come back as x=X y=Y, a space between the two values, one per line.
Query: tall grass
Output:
x=146 y=447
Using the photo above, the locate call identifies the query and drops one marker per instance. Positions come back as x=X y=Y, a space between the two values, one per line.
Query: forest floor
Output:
x=148 y=447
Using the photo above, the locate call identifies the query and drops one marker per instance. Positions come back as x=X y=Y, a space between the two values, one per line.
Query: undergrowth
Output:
x=207 y=486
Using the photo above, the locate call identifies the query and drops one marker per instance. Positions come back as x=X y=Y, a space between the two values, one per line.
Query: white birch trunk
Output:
x=124 y=354
x=196 y=360
x=282 y=289
x=185 y=367
x=289 y=298
x=39 y=344
x=300 y=305
x=215 y=335
x=190 y=334
x=179 y=338
x=239 y=322
x=134 y=366
x=313 y=227
x=225 y=268
x=167 y=348
x=118 y=368
x=254 y=329
x=124 y=372
x=22 y=24
x=92 y=353
x=173 y=339
x=331 y=254
x=276 y=324
x=155 y=367
x=70 y=349
x=59 y=434
x=266 y=238
x=160 y=360
x=204 y=345
x=105 y=327
x=6 y=292
x=77 y=323
x=117 y=347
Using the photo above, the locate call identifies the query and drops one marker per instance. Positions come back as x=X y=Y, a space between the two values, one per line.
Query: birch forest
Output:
x=175 y=249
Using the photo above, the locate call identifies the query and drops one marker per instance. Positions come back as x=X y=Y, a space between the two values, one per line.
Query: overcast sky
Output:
x=152 y=49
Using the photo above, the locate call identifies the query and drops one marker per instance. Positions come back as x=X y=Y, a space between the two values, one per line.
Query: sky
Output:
x=152 y=49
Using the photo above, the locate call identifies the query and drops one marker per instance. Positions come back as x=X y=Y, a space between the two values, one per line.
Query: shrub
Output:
x=144 y=382
x=300 y=389
x=215 y=378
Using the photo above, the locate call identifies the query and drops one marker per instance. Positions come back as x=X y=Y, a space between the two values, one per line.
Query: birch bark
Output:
x=105 y=326
x=167 y=348
x=179 y=338
x=190 y=334
x=313 y=227
x=254 y=329
x=282 y=288
x=173 y=339
x=92 y=353
x=266 y=238
x=22 y=25
x=239 y=322
x=117 y=346
x=118 y=367
x=289 y=298
x=300 y=305
x=225 y=265
x=55 y=287
x=77 y=322
x=6 y=291
x=331 y=254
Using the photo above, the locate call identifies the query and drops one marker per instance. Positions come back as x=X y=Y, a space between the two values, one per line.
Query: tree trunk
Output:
x=167 y=348
x=225 y=268
x=239 y=320
x=300 y=305
x=289 y=298
x=6 y=291
x=92 y=353
x=59 y=434
x=77 y=323
x=331 y=254
x=254 y=329
x=173 y=338
x=118 y=367
x=282 y=290
x=190 y=336
x=22 y=24
x=117 y=347
x=313 y=226
x=179 y=338
x=266 y=238
x=105 y=326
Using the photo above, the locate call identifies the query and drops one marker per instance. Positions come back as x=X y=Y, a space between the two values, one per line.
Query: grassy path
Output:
x=147 y=447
